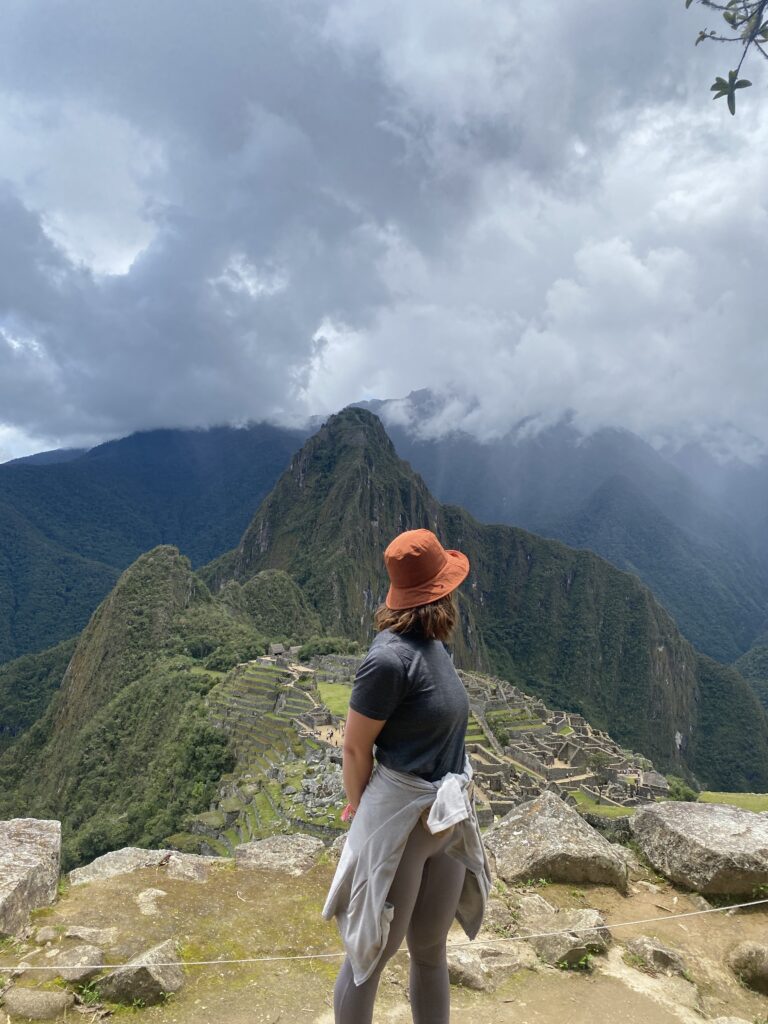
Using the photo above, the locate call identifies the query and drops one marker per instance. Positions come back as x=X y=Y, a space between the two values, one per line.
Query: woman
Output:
x=413 y=859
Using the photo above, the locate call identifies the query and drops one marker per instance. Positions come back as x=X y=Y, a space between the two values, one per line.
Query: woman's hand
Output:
x=348 y=812
x=357 y=763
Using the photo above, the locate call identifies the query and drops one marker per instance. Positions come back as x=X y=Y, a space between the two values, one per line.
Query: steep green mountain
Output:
x=46 y=592
x=715 y=597
x=753 y=666
x=120 y=742
x=273 y=603
x=68 y=526
x=558 y=483
x=125 y=749
x=27 y=686
x=561 y=623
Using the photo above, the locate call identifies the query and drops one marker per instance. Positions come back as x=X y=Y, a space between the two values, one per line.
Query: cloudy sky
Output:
x=263 y=209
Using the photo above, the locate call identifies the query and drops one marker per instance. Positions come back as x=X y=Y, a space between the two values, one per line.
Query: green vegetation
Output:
x=126 y=748
x=586 y=803
x=319 y=645
x=274 y=605
x=27 y=685
x=70 y=528
x=754 y=667
x=748 y=801
x=746 y=23
x=335 y=696
x=680 y=790
x=715 y=590
x=730 y=748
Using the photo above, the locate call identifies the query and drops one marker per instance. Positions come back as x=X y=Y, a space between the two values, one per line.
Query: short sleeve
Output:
x=380 y=684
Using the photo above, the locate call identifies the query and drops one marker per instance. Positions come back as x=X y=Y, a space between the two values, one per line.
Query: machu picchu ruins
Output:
x=286 y=722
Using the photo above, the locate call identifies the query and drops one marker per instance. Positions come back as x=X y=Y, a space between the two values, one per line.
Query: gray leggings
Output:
x=425 y=893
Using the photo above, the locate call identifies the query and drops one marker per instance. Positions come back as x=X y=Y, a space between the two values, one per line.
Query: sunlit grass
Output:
x=335 y=696
x=748 y=801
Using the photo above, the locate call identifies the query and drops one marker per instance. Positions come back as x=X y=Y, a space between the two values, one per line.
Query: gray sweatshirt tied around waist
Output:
x=390 y=807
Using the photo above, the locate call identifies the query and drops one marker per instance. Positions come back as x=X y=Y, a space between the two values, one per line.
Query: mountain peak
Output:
x=345 y=495
x=353 y=427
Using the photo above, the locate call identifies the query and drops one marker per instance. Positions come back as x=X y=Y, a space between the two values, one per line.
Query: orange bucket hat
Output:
x=421 y=570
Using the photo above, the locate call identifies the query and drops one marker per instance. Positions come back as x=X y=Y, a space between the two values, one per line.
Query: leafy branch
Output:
x=747 y=22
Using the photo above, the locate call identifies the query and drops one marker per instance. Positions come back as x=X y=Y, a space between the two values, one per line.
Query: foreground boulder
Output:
x=35 y=1004
x=545 y=838
x=712 y=848
x=567 y=938
x=147 y=979
x=749 y=961
x=293 y=854
x=30 y=856
x=482 y=967
x=653 y=956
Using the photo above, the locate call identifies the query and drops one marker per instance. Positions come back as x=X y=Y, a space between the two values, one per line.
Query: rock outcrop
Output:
x=30 y=856
x=749 y=961
x=545 y=838
x=293 y=854
x=34 y=1004
x=567 y=938
x=653 y=956
x=147 y=979
x=132 y=858
x=484 y=966
x=711 y=848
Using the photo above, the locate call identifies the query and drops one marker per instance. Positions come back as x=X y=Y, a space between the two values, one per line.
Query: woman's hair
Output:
x=435 y=621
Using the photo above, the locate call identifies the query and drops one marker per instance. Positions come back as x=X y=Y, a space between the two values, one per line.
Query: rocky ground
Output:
x=267 y=901
x=246 y=911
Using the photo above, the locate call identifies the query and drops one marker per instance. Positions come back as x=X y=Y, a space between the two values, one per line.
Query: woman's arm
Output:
x=359 y=736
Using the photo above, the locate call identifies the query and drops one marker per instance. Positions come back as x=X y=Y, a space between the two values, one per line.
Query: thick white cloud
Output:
x=227 y=212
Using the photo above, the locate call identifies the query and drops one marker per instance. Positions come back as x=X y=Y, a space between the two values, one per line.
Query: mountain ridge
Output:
x=534 y=610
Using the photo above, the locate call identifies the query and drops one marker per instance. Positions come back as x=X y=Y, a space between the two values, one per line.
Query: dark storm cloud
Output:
x=223 y=212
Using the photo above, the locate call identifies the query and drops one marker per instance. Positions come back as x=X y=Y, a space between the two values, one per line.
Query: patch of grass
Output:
x=747 y=801
x=635 y=960
x=586 y=803
x=335 y=696
x=584 y=963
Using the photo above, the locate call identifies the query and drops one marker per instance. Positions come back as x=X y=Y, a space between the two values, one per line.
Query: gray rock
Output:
x=293 y=854
x=730 y=1020
x=97 y=936
x=188 y=866
x=566 y=936
x=749 y=961
x=45 y=934
x=78 y=963
x=148 y=978
x=35 y=1004
x=337 y=845
x=545 y=838
x=653 y=956
x=483 y=966
x=30 y=853
x=712 y=848
x=147 y=901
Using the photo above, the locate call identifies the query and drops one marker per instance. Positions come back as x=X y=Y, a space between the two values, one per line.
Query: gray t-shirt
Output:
x=411 y=682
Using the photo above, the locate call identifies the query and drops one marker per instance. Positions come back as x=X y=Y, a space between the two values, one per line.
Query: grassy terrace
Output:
x=586 y=803
x=747 y=801
x=335 y=696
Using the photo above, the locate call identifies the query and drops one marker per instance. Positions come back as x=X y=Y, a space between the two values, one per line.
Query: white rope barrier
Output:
x=325 y=956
